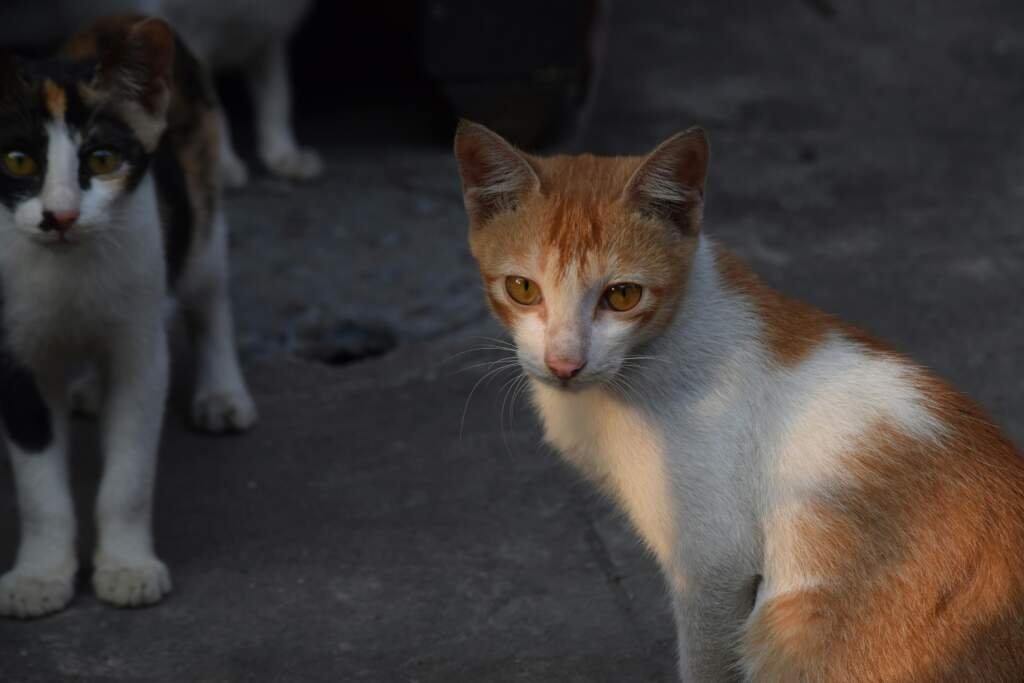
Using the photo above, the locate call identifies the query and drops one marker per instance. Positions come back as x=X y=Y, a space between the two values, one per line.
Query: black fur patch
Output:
x=21 y=126
x=23 y=411
x=108 y=132
x=176 y=210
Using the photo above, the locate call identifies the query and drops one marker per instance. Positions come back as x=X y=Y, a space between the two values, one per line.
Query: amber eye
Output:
x=19 y=164
x=623 y=297
x=523 y=291
x=103 y=162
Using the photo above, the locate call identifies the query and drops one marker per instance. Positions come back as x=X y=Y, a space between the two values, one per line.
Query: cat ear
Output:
x=670 y=182
x=136 y=60
x=495 y=176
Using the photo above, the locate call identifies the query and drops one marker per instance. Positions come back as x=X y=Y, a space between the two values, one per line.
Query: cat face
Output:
x=584 y=259
x=76 y=133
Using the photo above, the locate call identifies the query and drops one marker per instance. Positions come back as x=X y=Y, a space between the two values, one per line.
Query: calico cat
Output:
x=109 y=201
x=822 y=508
x=248 y=35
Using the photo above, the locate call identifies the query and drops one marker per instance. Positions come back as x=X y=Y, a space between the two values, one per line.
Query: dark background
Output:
x=867 y=157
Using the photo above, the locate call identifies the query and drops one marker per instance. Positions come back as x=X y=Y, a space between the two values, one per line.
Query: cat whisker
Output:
x=494 y=372
x=495 y=340
x=513 y=386
x=520 y=388
x=475 y=349
x=502 y=361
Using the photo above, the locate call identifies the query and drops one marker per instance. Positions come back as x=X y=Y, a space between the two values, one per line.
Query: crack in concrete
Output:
x=613 y=577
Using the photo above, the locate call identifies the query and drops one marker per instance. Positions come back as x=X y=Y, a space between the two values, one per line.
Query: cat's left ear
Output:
x=495 y=176
x=669 y=184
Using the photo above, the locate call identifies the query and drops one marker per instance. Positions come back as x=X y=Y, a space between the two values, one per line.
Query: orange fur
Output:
x=56 y=99
x=579 y=218
x=792 y=329
x=928 y=546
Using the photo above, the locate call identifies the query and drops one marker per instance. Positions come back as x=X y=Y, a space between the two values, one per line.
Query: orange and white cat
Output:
x=823 y=509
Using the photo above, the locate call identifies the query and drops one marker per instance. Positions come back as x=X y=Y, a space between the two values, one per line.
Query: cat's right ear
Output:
x=669 y=184
x=495 y=176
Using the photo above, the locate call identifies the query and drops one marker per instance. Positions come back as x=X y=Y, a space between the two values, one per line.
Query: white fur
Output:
x=65 y=308
x=714 y=447
x=100 y=303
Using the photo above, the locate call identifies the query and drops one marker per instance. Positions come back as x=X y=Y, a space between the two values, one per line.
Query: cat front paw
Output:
x=131 y=583
x=233 y=172
x=294 y=163
x=224 y=411
x=25 y=595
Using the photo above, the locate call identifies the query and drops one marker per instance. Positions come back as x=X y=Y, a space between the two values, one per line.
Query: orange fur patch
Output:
x=792 y=328
x=56 y=99
x=925 y=554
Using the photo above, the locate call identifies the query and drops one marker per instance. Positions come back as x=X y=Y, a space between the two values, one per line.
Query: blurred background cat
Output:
x=251 y=37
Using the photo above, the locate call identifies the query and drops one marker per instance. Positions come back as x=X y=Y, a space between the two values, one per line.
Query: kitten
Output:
x=108 y=201
x=822 y=508
x=249 y=35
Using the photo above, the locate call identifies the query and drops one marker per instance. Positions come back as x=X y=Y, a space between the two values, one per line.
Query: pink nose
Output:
x=61 y=221
x=564 y=368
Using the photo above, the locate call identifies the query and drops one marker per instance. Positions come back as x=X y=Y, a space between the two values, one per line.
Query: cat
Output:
x=821 y=507
x=109 y=201
x=254 y=37
x=226 y=35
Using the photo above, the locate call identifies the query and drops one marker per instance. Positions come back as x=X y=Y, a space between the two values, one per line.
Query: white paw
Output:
x=24 y=595
x=233 y=172
x=87 y=396
x=224 y=411
x=133 y=584
x=294 y=163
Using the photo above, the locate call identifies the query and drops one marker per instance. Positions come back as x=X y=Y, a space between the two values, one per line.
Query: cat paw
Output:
x=131 y=584
x=294 y=163
x=224 y=411
x=25 y=596
x=233 y=173
x=86 y=396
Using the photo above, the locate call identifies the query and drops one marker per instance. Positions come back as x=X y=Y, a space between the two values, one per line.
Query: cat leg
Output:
x=233 y=171
x=271 y=89
x=222 y=402
x=42 y=579
x=86 y=394
x=126 y=572
x=709 y=619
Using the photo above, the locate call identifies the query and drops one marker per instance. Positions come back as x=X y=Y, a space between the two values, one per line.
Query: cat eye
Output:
x=622 y=297
x=522 y=291
x=19 y=164
x=103 y=161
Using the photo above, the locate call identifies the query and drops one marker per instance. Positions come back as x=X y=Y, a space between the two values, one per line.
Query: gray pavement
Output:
x=870 y=160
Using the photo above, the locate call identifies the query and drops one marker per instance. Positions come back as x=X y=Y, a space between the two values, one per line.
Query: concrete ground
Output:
x=868 y=159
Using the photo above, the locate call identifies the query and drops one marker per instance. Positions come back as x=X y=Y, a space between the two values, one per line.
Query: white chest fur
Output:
x=72 y=300
x=719 y=447
x=621 y=450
